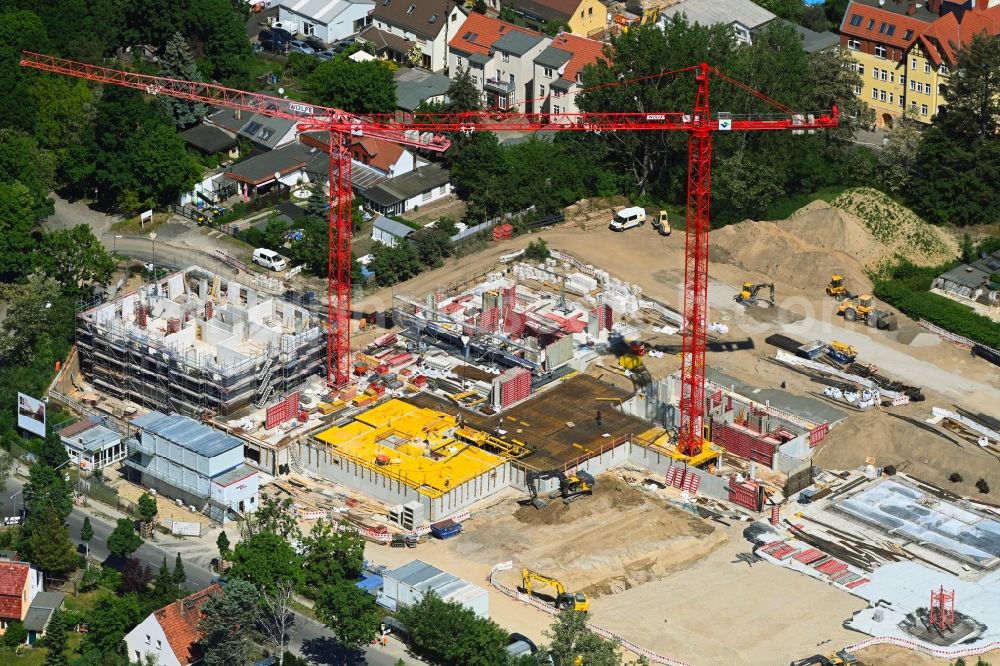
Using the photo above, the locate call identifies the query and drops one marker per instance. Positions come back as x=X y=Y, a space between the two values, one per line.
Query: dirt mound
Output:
x=607 y=543
x=803 y=251
x=898 y=230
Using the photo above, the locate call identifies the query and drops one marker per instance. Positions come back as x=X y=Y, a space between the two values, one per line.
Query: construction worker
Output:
x=599 y=417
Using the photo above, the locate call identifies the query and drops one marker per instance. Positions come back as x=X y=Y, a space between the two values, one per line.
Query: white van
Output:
x=269 y=259
x=628 y=218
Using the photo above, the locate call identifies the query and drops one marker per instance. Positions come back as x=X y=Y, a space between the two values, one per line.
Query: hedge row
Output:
x=944 y=312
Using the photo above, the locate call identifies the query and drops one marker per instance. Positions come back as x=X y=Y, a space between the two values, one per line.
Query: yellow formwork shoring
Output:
x=411 y=444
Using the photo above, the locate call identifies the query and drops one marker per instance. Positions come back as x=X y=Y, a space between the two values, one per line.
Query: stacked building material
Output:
x=512 y=386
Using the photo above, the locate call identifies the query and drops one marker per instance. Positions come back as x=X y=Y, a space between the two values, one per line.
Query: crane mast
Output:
x=424 y=131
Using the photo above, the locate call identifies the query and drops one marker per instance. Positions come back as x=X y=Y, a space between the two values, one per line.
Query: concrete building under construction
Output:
x=198 y=344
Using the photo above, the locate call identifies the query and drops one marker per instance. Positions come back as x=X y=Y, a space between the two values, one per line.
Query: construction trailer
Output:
x=196 y=343
x=407 y=585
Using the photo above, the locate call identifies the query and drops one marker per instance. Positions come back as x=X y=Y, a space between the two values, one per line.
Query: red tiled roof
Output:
x=585 y=52
x=479 y=32
x=179 y=622
x=946 y=36
x=13 y=577
x=902 y=23
x=380 y=153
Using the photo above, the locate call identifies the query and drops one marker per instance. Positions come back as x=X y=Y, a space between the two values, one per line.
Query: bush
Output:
x=537 y=250
x=982 y=486
x=944 y=312
x=16 y=635
x=955 y=477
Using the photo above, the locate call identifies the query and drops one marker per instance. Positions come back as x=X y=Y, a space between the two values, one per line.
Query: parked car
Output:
x=269 y=259
x=326 y=54
x=299 y=46
x=291 y=27
x=282 y=33
x=273 y=40
x=519 y=644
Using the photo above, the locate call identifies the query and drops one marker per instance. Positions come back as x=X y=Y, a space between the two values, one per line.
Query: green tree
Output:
x=26 y=329
x=55 y=640
x=571 y=640
x=272 y=515
x=147 y=508
x=19 y=30
x=112 y=618
x=124 y=540
x=962 y=147
x=357 y=87
x=15 y=635
x=178 y=63
x=221 y=31
x=16 y=227
x=330 y=556
x=65 y=106
x=449 y=633
x=274 y=233
x=47 y=487
x=394 y=264
x=264 y=559
x=350 y=613
x=537 y=250
x=223 y=543
x=86 y=534
x=433 y=246
x=179 y=575
x=968 y=249
x=164 y=586
x=897 y=160
x=51 y=548
x=462 y=95
x=53 y=451
x=478 y=173
x=447 y=225
x=228 y=625
x=553 y=27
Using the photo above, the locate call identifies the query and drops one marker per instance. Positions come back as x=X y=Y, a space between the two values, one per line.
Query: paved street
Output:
x=311 y=639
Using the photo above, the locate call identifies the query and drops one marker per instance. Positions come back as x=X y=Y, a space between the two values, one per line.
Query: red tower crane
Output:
x=423 y=131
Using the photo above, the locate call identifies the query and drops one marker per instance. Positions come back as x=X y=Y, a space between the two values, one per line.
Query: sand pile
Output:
x=803 y=252
x=857 y=234
x=616 y=539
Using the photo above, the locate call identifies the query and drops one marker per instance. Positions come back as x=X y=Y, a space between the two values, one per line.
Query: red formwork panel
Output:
x=744 y=494
x=809 y=555
x=515 y=385
x=743 y=443
x=490 y=319
x=857 y=583
x=609 y=317
x=514 y=323
x=599 y=312
x=817 y=434
x=509 y=300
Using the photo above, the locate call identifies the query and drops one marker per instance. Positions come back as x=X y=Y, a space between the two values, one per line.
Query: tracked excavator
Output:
x=578 y=601
x=750 y=294
x=571 y=486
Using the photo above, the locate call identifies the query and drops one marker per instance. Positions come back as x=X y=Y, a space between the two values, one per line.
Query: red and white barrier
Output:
x=938 y=652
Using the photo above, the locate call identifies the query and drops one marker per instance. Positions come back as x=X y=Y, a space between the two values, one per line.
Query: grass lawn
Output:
x=132 y=227
x=28 y=656
x=84 y=601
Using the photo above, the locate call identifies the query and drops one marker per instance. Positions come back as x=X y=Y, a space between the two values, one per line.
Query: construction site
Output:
x=662 y=430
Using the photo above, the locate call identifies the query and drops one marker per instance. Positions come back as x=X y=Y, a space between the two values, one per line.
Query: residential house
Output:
x=170 y=634
x=36 y=622
x=586 y=18
x=500 y=58
x=19 y=585
x=91 y=445
x=191 y=462
x=403 y=25
x=327 y=20
x=417 y=86
x=812 y=41
x=471 y=48
x=390 y=232
x=878 y=34
x=266 y=132
x=742 y=16
x=211 y=140
x=933 y=55
x=977 y=281
x=421 y=186
x=557 y=72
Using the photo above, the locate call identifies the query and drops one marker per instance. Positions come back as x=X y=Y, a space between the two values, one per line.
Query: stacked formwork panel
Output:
x=743 y=442
x=512 y=386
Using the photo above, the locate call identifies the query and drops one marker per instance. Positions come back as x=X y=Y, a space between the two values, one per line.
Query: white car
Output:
x=628 y=218
x=269 y=259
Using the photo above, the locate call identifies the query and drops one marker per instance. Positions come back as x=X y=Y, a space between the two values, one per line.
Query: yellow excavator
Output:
x=749 y=294
x=578 y=601
x=837 y=289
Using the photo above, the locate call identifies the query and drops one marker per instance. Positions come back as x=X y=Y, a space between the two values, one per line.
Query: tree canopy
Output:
x=264 y=559
x=358 y=87
x=124 y=540
x=445 y=632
